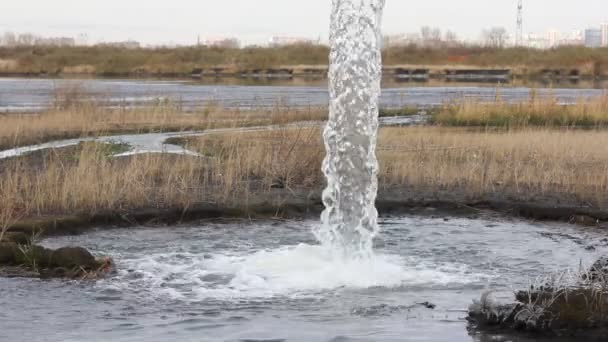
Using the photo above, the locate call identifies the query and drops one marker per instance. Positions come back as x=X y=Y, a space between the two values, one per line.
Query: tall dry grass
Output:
x=526 y=164
x=535 y=112
x=88 y=180
x=288 y=157
x=9 y=212
x=89 y=119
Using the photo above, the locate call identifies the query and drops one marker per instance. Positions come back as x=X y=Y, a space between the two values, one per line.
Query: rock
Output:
x=37 y=261
x=487 y=313
x=598 y=272
x=16 y=237
x=8 y=252
x=499 y=315
x=428 y=305
x=17 y=272
x=33 y=256
x=575 y=311
x=71 y=257
x=278 y=183
x=58 y=272
x=584 y=220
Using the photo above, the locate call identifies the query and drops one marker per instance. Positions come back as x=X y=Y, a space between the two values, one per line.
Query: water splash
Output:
x=349 y=222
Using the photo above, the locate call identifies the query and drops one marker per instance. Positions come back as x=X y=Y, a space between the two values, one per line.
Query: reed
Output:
x=87 y=179
x=70 y=119
x=524 y=164
x=535 y=112
x=236 y=168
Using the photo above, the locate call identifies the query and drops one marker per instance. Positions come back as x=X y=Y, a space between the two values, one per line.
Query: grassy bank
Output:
x=548 y=112
x=88 y=119
x=161 y=61
x=530 y=164
x=109 y=61
x=525 y=163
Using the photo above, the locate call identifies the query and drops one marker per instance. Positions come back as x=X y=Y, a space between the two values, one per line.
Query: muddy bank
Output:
x=21 y=257
x=284 y=204
x=550 y=309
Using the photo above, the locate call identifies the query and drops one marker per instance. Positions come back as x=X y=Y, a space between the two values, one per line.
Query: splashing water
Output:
x=349 y=222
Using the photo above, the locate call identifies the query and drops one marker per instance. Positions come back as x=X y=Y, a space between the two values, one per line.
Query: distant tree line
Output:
x=433 y=37
x=496 y=37
x=27 y=39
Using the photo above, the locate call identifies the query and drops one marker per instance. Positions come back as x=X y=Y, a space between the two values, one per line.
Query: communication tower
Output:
x=519 y=35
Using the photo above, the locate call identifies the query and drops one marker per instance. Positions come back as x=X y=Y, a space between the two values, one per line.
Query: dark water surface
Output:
x=268 y=281
x=22 y=94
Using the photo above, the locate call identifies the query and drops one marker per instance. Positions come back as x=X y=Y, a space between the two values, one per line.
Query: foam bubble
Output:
x=286 y=271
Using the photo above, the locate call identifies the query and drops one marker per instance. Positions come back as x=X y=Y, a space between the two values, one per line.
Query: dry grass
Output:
x=526 y=164
x=113 y=61
x=89 y=180
x=535 y=112
x=236 y=167
x=286 y=157
x=9 y=212
x=92 y=181
x=71 y=120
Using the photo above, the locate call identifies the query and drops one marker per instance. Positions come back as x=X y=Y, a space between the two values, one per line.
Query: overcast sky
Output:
x=254 y=21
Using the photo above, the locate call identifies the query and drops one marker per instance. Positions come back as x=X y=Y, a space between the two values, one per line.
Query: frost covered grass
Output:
x=564 y=302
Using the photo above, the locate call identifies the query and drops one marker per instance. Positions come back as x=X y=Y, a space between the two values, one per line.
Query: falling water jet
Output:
x=349 y=222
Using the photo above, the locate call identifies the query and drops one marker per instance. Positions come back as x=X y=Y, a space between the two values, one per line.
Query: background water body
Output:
x=22 y=94
x=255 y=281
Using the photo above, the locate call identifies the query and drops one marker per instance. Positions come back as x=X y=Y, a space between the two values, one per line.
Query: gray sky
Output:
x=254 y=21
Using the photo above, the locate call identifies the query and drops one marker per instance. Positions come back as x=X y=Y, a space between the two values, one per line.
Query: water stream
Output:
x=351 y=168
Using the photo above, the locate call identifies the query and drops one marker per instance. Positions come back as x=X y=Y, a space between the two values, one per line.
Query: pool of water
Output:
x=22 y=94
x=270 y=281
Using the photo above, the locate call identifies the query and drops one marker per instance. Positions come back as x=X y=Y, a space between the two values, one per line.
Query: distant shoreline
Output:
x=414 y=74
x=466 y=63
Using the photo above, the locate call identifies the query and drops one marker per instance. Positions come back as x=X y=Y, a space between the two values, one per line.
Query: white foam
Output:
x=286 y=271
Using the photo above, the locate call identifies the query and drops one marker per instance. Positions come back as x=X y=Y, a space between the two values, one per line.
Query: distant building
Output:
x=604 y=29
x=222 y=42
x=537 y=41
x=129 y=44
x=553 y=38
x=282 y=41
x=82 y=39
x=398 y=40
x=593 y=38
x=575 y=38
x=55 y=41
